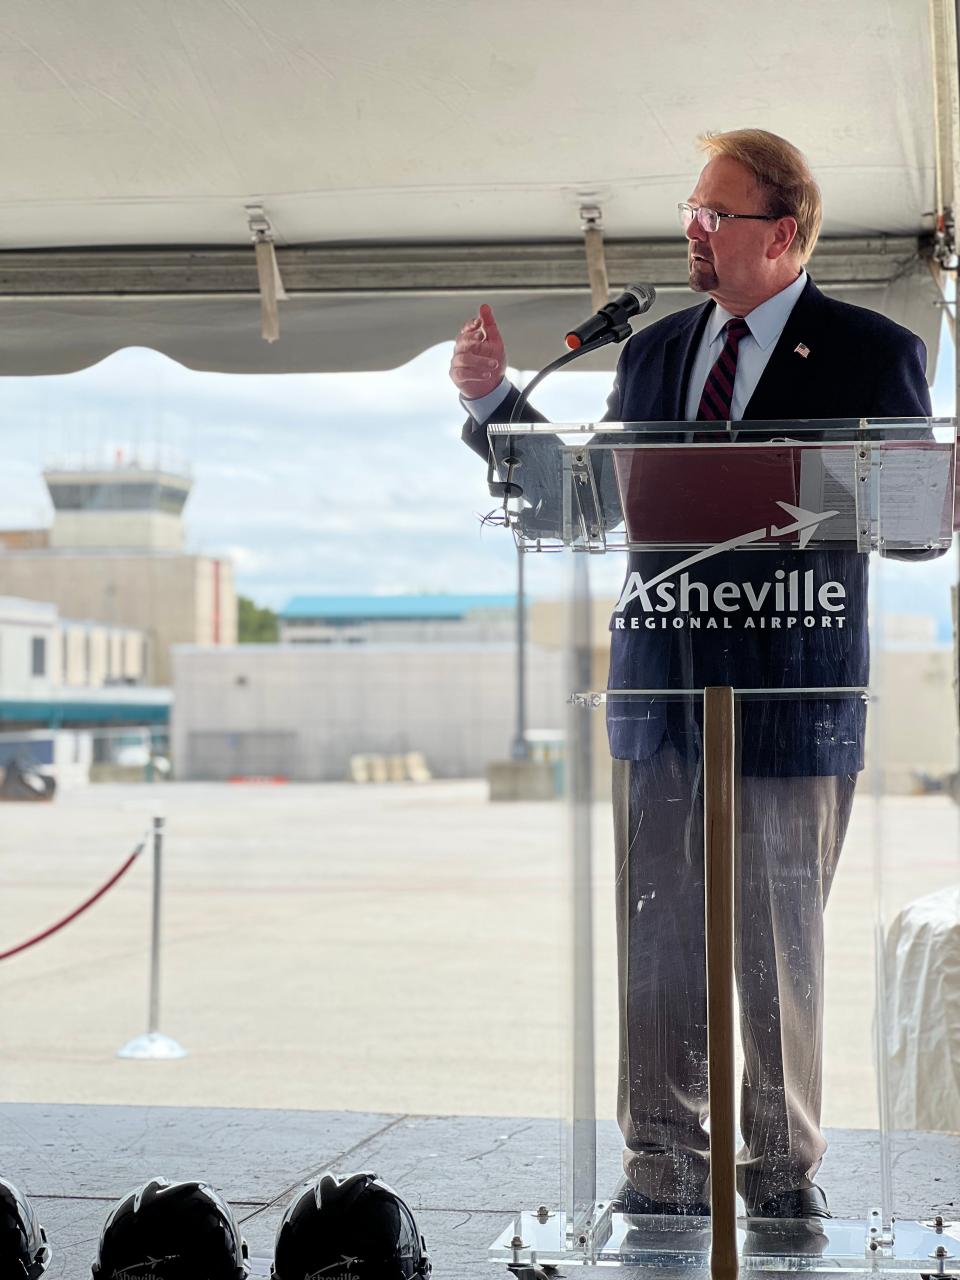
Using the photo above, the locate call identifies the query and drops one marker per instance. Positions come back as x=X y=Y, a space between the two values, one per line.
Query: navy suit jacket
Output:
x=859 y=365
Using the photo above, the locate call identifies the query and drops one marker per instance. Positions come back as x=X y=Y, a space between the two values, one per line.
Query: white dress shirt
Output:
x=481 y=409
x=766 y=323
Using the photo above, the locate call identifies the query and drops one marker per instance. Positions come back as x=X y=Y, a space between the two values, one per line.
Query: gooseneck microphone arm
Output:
x=595 y=345
x=610 y=324
x=507 y=488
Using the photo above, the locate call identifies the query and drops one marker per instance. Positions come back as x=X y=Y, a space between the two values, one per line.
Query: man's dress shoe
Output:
x=785 y=1237
x=627 y=1199
x=805 y=1202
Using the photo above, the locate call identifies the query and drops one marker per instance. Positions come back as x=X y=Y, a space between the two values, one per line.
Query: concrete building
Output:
x=93 y=654
x=30 y=648
x=356 y=675
x=72 y=693
x=114 y=554
x=301 y=711
x=400 y=619
x=40 y=651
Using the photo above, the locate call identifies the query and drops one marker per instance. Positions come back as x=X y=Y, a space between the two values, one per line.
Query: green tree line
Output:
x=255 y=625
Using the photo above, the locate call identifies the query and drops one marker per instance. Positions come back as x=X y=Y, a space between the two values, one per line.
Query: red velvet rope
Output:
x=55 y=928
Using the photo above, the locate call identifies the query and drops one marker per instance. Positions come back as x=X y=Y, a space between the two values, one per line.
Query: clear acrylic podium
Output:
x=740 y=676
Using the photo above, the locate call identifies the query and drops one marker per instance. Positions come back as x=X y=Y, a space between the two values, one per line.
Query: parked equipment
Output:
x=24 y=781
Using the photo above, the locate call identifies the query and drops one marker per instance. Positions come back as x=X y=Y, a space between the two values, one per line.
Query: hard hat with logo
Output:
x=357 y=1229
x=171 y=1231
x=24 y=1252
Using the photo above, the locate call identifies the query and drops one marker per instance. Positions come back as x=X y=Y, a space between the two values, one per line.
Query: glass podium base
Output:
x=803 y=1244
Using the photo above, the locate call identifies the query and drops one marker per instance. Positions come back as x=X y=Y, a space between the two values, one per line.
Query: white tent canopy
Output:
x=413 y=159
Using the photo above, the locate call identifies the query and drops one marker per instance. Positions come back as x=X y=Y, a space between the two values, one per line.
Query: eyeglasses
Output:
x=709 y=219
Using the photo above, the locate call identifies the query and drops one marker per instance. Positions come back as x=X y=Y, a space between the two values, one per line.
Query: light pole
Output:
x=520 y=748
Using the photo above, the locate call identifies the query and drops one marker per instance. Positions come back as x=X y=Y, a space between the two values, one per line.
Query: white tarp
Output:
x=922 y=1014
x=129 y=124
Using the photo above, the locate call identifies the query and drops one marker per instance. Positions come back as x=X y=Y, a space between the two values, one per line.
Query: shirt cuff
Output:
x=483 y=408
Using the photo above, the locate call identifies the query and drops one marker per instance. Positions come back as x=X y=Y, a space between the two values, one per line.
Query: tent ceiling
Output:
x=348 y=304
x=413 y=158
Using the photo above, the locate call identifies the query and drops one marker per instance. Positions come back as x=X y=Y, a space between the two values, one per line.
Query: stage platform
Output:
x=464 y=1176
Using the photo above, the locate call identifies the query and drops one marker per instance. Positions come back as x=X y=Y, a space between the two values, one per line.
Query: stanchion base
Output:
x=153 y=1046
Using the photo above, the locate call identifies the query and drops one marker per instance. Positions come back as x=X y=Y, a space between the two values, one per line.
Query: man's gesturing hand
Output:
x=479 y=359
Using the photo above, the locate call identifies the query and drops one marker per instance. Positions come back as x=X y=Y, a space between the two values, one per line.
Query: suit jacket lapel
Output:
x=679 y=351
x=784 y=385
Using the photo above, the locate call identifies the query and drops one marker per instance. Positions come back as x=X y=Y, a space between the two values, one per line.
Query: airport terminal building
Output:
x=392 y=675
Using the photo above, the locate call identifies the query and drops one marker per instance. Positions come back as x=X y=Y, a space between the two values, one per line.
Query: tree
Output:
x=255 y=625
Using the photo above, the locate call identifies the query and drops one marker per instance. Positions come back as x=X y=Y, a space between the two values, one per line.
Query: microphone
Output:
x=610 y=324
x=611 y=321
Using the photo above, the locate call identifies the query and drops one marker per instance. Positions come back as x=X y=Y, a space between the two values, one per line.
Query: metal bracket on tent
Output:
x=268 y=272
x=591 y=224
x=945 y=240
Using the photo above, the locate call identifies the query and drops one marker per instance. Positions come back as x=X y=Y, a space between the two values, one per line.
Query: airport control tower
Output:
x=116 y=553
x=119 y=507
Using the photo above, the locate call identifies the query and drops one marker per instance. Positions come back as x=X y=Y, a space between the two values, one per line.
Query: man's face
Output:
x=732 y=261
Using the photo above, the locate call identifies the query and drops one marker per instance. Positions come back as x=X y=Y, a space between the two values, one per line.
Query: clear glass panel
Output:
x=916 y=881
x=749 y=569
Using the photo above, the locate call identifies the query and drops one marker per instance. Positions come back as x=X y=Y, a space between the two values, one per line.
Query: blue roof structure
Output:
x=89 y=707
x=382 y=608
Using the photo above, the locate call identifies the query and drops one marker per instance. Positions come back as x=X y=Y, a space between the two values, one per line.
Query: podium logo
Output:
x=775 y=604
x=345 y=1269
x=148 y=1268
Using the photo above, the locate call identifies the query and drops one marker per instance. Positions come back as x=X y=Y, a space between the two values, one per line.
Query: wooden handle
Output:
x=718 y=852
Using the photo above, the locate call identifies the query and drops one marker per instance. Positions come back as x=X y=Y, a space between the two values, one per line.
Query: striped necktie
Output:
x=717 y=397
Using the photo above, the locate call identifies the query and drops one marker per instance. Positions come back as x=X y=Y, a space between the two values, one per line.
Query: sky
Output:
x=310 y=483
x=320 y=483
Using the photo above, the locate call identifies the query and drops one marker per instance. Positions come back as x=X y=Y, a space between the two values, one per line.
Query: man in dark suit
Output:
x=768 y=345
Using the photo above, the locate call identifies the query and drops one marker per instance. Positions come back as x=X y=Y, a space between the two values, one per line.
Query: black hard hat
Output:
x=357 y=1229
x=171 y=1231
x=24 y=1252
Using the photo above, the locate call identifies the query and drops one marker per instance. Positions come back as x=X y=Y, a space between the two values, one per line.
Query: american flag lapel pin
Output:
x=801 y=349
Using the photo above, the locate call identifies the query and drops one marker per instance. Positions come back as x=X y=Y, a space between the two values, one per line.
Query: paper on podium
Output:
x=828 y=481
x=913 y=491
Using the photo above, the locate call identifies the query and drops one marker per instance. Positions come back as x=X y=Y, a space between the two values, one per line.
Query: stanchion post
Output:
x=153 y=1022
x=154 y=1045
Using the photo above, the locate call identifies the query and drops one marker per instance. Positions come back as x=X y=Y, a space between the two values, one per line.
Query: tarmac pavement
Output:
x=384 y=956
x=393 y=948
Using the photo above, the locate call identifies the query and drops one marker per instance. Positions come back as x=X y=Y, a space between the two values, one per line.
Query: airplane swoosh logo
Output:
x=804 y=522
x=345 y=1262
